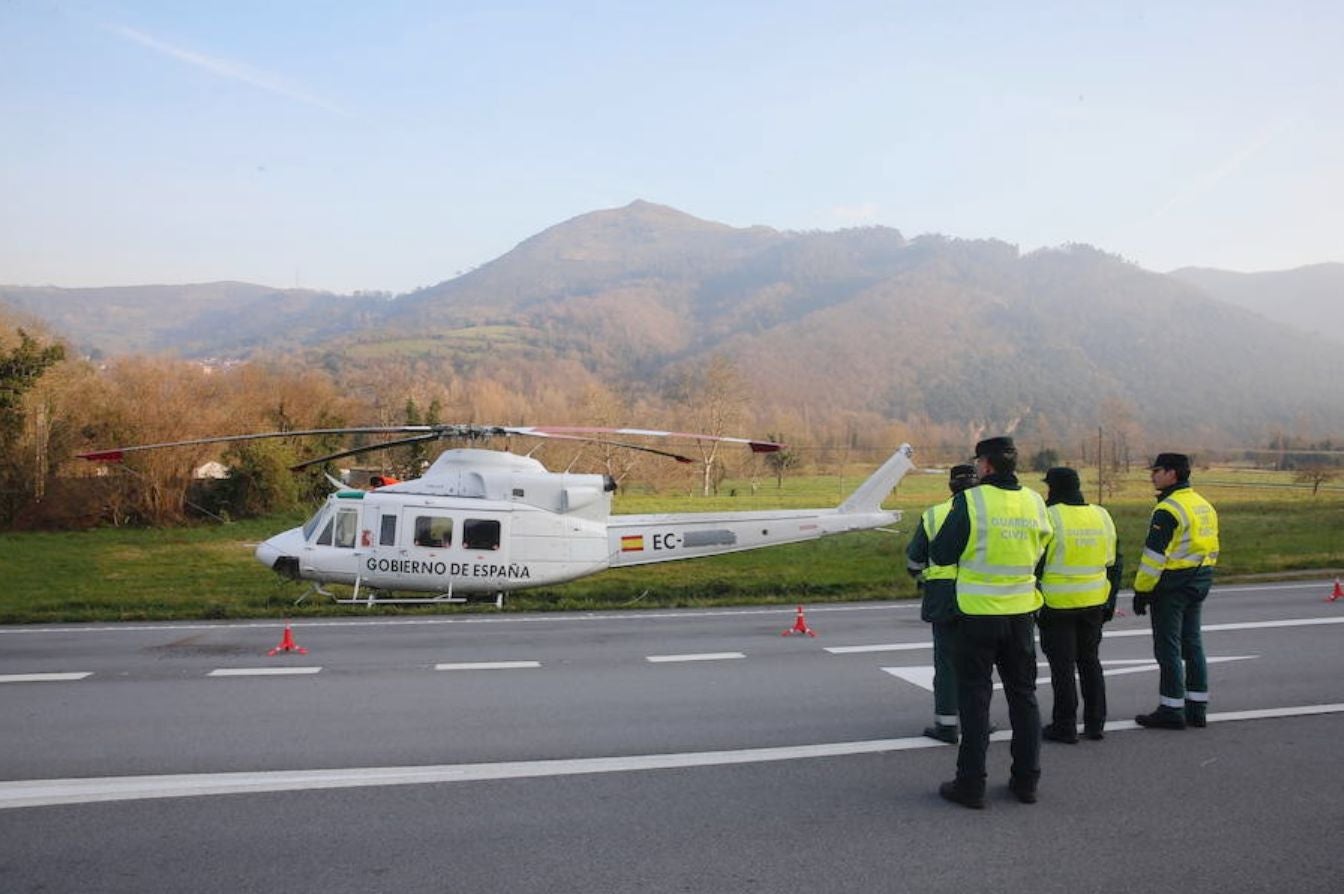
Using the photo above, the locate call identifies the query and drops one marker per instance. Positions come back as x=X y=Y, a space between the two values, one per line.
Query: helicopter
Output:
x=487 y=522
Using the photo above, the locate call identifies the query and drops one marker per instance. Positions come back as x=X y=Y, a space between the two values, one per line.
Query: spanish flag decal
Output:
x=632 y=543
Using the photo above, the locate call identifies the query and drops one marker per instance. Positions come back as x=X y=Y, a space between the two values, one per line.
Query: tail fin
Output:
x=868 y=496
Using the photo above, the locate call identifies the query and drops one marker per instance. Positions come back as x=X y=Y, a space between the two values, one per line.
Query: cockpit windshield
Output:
x=310 y=526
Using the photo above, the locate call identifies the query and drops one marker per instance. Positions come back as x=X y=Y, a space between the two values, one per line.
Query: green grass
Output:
x=207 y=571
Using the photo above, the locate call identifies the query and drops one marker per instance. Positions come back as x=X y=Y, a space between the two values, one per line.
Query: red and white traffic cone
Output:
x=1337 y=593
x=800 y=625
x=287 y=644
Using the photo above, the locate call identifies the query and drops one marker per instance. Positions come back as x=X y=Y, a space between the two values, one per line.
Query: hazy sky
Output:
x=392 y=145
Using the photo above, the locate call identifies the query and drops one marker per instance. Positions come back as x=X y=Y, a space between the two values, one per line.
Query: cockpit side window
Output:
x=347 y=527
x=324 y=539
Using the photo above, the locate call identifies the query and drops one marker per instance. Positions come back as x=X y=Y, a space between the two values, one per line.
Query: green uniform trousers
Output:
x=1178 y=645
x=945 y=672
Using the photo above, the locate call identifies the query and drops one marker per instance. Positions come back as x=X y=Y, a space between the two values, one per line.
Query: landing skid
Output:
x=388 y=597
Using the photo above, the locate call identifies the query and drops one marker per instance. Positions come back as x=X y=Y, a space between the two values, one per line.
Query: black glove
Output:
x=1108 y=613
x=1141 y=603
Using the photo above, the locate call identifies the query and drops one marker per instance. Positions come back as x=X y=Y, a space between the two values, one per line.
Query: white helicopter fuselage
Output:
x=482 y=521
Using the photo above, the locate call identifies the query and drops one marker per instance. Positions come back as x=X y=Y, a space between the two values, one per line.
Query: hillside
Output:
x=863 y=321
x=197 y=320
x=1310 y=299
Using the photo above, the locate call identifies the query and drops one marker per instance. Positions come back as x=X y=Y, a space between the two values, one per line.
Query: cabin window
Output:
x=478 y=533
x=347 y=528
x=433 y=531
x=387 y=536
x=324 y=539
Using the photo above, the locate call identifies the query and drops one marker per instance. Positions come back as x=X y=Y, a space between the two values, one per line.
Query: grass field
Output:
x=1269 y=527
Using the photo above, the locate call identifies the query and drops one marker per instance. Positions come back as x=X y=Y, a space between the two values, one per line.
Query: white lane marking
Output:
x=45 y=792
x=702 y=656
x=44 y=678
x=1109 y=634
x=679 y=614
x=878 y=647
x=922 y=675
x=261 y=671
x=1115 y=672
x=486 y=665
x=548 y=618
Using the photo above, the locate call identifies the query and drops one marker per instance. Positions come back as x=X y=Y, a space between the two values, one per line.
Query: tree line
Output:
x=54 y=404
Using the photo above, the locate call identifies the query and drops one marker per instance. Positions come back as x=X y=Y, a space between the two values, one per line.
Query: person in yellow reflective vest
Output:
x=995 y=533
x=1174 y=577
x=938 y=606
x=1079 y=578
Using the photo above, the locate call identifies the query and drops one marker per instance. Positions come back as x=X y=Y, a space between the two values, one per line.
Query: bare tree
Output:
x=713 y=400
x=1316 y=474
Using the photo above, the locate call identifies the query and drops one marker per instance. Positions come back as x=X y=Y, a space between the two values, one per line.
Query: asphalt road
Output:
x=689 y=751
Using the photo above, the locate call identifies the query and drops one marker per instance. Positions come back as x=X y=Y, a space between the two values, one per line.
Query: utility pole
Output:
x=1098 y=465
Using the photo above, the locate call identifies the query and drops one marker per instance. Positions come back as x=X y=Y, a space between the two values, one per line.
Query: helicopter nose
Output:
x=278 y=553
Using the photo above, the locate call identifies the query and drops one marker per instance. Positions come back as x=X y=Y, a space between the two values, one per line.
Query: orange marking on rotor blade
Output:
x=103 y=456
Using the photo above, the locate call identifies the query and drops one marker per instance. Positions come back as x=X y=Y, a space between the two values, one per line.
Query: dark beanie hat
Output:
x=1063 y=479
x=1001 y=446
x=961 y=477
x=1177 y=462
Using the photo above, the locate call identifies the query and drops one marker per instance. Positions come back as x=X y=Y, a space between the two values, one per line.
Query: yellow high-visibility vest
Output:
x=996 y=574
x=932 y=520
x=1194 y=543
x=1076 y=560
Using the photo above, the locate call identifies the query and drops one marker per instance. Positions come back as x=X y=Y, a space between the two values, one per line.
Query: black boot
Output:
x=1196 y=714
x=1162 y=718
x=1024 y=790
x=1095 y=732
x=960 y=794
x=1056 y=732
x=943 y=732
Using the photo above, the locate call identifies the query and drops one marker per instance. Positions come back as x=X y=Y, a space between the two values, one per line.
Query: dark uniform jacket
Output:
x=938 y=597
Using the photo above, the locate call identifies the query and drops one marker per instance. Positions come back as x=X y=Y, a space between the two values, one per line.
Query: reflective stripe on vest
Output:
x=997 y=571
x=1076 y=560
x=933 y=520
x=1194 y=543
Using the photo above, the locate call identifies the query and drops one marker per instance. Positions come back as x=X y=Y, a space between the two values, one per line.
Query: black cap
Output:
x=1063 y=479
x=962 y=471
x=1178 y=462
x=961 y=477
x=1001 y=446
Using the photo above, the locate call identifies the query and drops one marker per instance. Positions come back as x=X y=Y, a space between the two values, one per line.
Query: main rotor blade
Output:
x=367 y=448
x=449 y=430
x=555 y=431
x=116 y=454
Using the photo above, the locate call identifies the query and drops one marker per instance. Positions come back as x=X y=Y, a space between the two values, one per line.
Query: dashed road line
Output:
x=486 y=665
x=702 y=656
x=44 y=678
x=878 y=647
x=262 y=671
